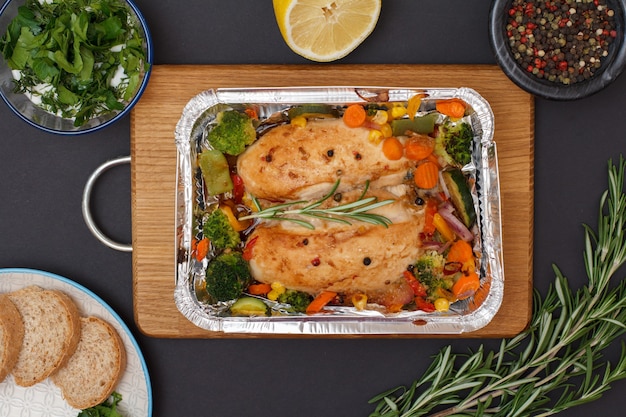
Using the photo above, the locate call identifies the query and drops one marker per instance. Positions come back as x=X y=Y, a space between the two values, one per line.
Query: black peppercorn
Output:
x=367 y=261
x=562 y=41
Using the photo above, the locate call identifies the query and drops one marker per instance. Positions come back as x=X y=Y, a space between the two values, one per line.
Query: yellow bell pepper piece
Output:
x=442 y=227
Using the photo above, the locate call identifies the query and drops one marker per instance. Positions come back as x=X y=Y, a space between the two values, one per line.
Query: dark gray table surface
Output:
x=41 y=226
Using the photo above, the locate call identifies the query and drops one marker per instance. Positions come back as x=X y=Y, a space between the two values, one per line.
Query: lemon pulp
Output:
x=325 y=30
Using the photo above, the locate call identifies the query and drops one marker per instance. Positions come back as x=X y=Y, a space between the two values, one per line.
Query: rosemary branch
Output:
x=344 y=213
x=531 y=374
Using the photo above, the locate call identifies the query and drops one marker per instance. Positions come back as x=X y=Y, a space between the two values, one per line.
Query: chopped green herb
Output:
x=107 y=409
x=78 y=58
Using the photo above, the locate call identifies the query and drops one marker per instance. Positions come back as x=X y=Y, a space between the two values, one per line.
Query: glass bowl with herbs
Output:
x=559 y=49
x=73 y=66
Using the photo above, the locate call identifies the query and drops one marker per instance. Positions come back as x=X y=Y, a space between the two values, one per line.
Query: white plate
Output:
x=44 y=399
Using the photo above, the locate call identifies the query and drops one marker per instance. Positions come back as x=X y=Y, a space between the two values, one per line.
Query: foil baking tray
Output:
x=463 y=316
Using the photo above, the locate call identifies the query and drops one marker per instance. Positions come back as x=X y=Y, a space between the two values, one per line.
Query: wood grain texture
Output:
x=153 y=174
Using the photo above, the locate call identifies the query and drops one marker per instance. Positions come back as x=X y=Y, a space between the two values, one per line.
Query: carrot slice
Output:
x=393 y=149
x=460 y=251
x=202 y=249
x=419 y=147
x=426 y=175
x=466 y=286
x=354 y=115
x=320 y=301
x=259 y=289
x=251 y=113
x=453 y=107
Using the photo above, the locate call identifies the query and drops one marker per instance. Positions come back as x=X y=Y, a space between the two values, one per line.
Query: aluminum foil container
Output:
x=463 y=316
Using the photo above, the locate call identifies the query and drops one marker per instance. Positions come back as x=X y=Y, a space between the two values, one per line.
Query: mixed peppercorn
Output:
x=562 y=41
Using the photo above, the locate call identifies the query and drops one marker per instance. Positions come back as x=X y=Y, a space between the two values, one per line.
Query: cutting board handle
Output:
x=91 y=224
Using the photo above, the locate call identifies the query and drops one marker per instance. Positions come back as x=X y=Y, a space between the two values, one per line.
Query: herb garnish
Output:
x=107 y=409
x=356 y=211
x=69 y=52
x=533 y=373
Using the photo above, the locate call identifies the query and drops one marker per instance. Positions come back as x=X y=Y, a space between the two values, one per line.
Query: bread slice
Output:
x=91 y=374
x=51 y=332
x=11 y=335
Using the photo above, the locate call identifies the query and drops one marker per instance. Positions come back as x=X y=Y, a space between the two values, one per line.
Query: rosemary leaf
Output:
x=358 y=210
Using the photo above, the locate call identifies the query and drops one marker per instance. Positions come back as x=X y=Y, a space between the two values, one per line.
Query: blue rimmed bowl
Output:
x=26 y=108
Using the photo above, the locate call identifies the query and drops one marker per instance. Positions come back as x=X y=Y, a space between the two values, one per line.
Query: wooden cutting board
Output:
x=153 y=174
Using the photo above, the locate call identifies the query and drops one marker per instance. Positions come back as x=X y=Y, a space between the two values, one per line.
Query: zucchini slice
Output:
x=249 y=306
x=215 y=171
x=460 y=195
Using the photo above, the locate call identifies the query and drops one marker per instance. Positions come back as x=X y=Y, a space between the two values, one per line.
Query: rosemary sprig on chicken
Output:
x=358 y=210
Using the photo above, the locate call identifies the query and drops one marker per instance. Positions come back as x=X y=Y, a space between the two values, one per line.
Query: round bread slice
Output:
x=11 y=335
x=91 y=374
x=51 y=332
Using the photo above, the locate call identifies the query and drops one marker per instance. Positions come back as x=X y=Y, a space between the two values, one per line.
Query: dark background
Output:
x=41 y=226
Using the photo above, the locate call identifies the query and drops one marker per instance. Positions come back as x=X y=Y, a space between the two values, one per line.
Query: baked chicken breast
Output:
x=345 y=258
x=291 y=162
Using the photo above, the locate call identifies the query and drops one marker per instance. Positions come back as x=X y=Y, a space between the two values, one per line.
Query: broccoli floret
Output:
x=298 y=300
x=429 y=271
x=220 y=232
x=226 y=276
x=232 y=132
x=454 y=143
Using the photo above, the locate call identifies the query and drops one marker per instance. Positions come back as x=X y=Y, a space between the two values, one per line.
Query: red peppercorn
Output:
x=316 y=261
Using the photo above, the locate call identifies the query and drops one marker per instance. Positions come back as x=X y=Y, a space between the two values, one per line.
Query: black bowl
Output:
x=611 y=68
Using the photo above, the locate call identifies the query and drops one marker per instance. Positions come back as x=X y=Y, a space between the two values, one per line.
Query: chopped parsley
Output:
x=76 y=58
x=107 y=409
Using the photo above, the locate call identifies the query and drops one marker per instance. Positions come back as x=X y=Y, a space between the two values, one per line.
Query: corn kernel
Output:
x=397 y=112
x=442 y=304
x=375 y=136
x=359 y=301
x=386 y=130
x=272 y=295
x=278 y=287
x=299 y=121
x=380 y=117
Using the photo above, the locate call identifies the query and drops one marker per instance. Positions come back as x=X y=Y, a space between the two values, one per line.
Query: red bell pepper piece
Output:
x=422 y=304
x=247 y=251
x=238 y=188
x=418 y=288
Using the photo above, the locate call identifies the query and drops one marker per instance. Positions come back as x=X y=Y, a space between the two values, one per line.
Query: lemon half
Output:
x=325 y=30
